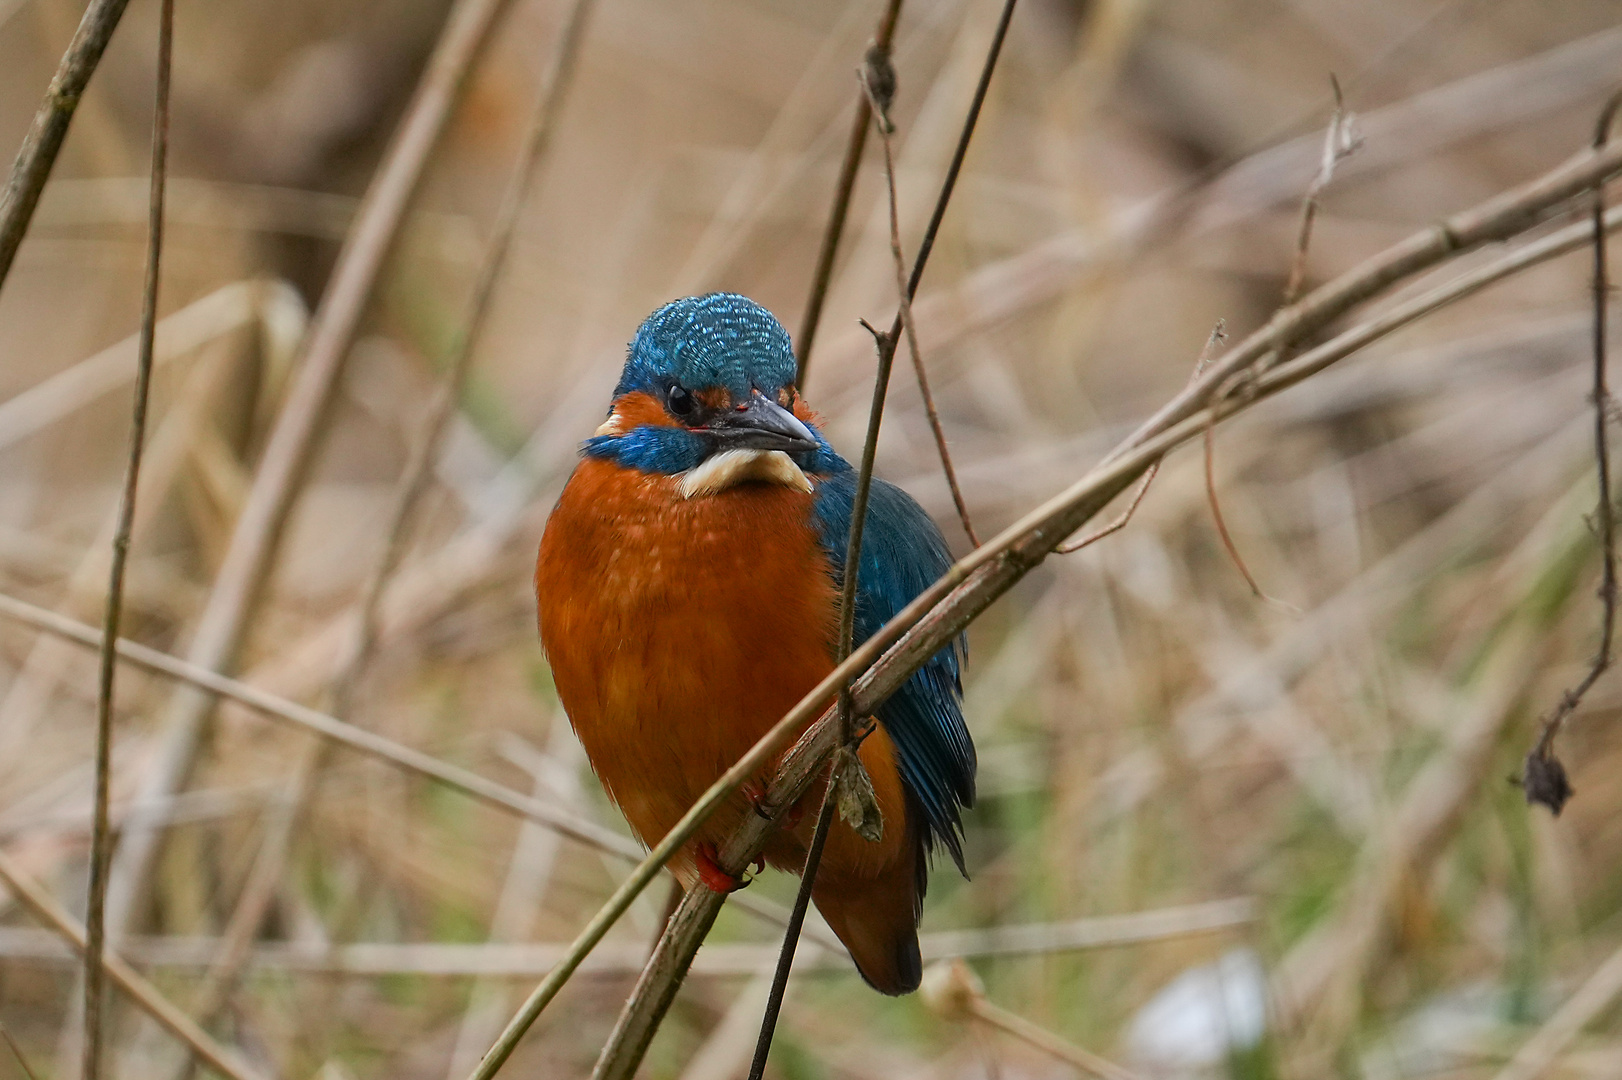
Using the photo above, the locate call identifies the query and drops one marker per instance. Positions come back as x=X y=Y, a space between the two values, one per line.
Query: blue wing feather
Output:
x=903 y=553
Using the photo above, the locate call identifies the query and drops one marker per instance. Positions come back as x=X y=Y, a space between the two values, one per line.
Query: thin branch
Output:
x=878 y=83
x=883 y=36
x=1543 y=776
x=1219 y=334
x=791 y=937
x=50 y=127
x=954 y=991
x=1341 y=141
x=628 y=956
x=891 y=655
x=878 y=80
x=1238 y=560
x=148 y=997
x=100 y=833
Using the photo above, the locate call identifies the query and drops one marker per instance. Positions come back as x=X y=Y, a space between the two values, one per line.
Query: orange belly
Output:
x=679 y=631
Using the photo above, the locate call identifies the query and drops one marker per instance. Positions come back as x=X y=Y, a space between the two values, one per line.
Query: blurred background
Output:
x=1308 y=798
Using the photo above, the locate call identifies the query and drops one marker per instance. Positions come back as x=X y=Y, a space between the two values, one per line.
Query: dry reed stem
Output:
x=49 y=129
x=275 y=845
x=528 y=960
x=881 y=114
x=224 y=622
x=100 y=834
x=126 y=978
x=942 y=611
x=883 y=38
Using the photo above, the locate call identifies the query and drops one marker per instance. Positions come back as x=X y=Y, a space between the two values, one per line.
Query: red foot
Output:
x=755 y=792
x=710 y=872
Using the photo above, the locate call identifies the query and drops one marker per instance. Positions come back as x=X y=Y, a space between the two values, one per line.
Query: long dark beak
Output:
x=761 y=424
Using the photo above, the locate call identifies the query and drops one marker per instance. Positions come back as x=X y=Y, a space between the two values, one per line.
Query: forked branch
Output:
x=1543 y=776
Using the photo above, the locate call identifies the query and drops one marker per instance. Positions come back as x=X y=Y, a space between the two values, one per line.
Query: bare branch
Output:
x=100 y=833
x=1543 y=776
x=50 y=127
x=835 y=229
x=1219 y=334
x=878 y=83
x=1341 y=141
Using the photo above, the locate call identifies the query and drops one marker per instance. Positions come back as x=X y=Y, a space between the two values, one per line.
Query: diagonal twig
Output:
x=1219 y=334
x=883 y=36
x=878 y=83
x=1543 y=777
x=1340 y=142
x=95 y=909
x=50 y=127
x=1590 y=999
x=126 y=978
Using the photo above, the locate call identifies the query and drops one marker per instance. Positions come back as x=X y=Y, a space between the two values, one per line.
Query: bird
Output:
x=688 y=591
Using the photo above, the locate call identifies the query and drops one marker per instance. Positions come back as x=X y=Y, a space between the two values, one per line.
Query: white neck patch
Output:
x=721 y=471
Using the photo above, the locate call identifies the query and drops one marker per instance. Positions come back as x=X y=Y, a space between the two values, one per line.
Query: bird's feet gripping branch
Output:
x=688 y=588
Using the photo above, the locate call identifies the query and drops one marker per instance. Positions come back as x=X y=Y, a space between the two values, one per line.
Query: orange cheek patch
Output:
x=638 y=409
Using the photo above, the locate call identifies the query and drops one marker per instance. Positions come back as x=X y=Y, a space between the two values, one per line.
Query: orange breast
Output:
x=679 y=630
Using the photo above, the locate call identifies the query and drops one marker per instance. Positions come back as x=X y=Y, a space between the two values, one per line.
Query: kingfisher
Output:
x=688 y=588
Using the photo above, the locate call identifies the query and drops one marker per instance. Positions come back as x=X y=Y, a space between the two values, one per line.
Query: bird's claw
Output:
x=755 y=791
x=708 y=861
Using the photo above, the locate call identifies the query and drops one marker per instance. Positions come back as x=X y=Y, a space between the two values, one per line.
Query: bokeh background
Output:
x=1152 y=735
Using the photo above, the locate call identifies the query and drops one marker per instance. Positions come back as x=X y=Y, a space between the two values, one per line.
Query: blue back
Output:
x=903 y=553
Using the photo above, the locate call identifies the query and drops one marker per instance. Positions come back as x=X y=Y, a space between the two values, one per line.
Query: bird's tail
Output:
x=877 y=919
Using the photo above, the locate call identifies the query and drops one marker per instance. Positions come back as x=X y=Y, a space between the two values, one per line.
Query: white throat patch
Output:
x=721 y=471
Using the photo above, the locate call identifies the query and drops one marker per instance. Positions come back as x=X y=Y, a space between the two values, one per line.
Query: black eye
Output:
x=681 y=402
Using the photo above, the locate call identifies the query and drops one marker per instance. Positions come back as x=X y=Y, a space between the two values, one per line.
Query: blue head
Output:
x=705 y=375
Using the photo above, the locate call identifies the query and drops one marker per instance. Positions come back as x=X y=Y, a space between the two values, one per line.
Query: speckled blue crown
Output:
x=715 y=340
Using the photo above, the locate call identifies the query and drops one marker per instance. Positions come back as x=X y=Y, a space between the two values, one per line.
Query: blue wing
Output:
x=903 y=553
